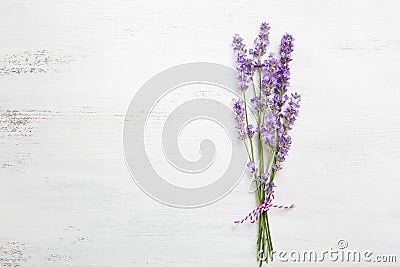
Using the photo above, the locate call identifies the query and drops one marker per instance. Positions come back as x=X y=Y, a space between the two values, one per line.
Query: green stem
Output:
x=247 y=124
x=264 y=240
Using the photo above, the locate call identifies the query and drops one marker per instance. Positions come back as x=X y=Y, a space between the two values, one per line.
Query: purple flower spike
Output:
x=250 y=131
x=269 y=81
x=269 y=130
x=276 y=167
x=260 y=44
x=264 y=177
x=292 y=111
x=240 y=119
x=286 y=48
x=283 y=147
x=244 y=66
x=239 y=115
x=251 y=166
x=259 y=103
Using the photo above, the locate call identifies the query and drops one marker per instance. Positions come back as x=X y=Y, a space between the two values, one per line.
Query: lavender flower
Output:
x=274 y=84
x=270 y=129
x=276 y=113
x=264 y=177
x=250 y=131
x=251 y=166
x=269 y=186
x=286 y=48
x=239 y=115
x=276 y=167
x=269 y=81
x=291 y=111
x=244 y=130
x=259 y=103
x=244 y=66
x=260 y=44
x=283 y=147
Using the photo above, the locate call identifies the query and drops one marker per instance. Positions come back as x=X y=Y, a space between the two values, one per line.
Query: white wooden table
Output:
x=68 y=70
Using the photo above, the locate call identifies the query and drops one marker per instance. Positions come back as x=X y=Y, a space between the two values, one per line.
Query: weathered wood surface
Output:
x=68 y=70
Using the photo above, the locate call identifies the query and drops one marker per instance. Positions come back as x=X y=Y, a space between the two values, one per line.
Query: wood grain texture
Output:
x=68 y=70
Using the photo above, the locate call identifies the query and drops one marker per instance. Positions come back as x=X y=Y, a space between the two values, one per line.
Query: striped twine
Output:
x=254 y=214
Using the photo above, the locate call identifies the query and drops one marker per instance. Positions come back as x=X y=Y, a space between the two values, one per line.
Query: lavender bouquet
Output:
x=265 y=83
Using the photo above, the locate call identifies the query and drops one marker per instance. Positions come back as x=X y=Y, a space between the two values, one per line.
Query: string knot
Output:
x=265 y=206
